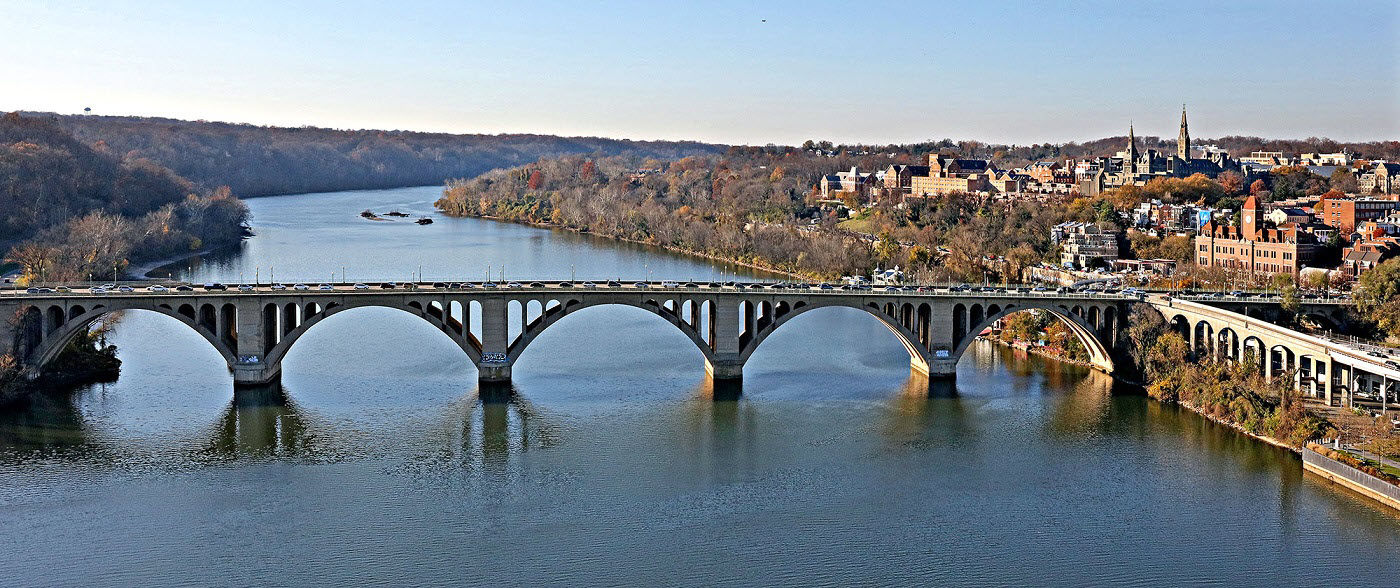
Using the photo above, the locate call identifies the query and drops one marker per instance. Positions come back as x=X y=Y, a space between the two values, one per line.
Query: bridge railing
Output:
x=367 y=286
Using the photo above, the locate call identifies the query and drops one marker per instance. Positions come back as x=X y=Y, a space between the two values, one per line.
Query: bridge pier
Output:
x=265 y=394
x=937 y=369
x=493 y=372
x=725 y=368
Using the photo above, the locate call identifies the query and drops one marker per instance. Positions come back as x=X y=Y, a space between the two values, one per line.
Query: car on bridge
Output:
x=184 y=288
x=245 y=288
x=157 y=288
x=210 y=287
x=361 y=286
x=589 y=285
x=279 y=287
x=325 y=287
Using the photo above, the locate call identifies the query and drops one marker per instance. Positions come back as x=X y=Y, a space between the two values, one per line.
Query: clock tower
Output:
x=1250 y=222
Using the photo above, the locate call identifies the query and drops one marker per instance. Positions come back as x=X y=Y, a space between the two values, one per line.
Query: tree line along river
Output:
x=612 y=464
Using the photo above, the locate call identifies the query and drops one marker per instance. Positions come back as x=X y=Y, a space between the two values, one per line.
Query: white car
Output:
x=325 y=287
x=157 y=288
x=361 y=286
x=125 y=289
x=301 y=287
x=513 y=285
x=245 y=288
x=589 y=285
x=670 y=284
x=279 y=287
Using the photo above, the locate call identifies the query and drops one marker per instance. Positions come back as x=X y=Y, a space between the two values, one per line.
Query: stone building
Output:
x=1383 y=178
x=1084 y=244
x=950 y=174
x=833 y=186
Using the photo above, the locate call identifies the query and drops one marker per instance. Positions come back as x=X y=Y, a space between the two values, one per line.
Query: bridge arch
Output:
x=275 y=352
x=1099 y=354
x=1227 y=345
x=1202 y=344
x=53 y=343
x=918 y=350
x=688 y=324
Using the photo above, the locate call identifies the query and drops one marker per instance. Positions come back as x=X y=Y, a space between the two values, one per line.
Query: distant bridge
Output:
x=253 y=330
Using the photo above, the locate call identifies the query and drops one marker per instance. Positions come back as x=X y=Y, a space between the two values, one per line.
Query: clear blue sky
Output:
x=1019 y=72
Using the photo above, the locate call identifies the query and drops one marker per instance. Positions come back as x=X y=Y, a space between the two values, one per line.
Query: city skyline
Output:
x=734 y=74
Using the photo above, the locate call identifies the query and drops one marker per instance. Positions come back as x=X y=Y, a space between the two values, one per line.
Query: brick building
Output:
x=1346 y=214
x=1254 y=247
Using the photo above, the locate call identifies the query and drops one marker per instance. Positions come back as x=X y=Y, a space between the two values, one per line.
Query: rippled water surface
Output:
x=612 y=463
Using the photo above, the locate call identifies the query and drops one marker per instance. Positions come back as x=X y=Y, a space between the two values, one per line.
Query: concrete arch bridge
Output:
x=253 y=330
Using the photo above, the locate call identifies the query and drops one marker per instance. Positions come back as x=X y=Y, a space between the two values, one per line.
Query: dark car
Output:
x=388 y=285
x=215 y=287
x=184 y=288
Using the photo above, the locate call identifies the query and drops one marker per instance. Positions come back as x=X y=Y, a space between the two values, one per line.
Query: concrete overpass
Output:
x=1336 y=372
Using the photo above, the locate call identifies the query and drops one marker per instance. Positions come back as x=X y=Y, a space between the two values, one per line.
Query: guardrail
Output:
x=142 y=288
x=1360 y=481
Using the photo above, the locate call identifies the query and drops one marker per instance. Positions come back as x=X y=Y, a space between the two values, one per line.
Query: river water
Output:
x=613 y=465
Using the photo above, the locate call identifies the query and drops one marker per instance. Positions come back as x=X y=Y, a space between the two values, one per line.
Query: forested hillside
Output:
x=68 y=210
x=259 y=161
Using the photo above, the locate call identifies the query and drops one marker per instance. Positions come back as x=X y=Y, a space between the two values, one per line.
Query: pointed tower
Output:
x=1183 y=139
x=1130 y=163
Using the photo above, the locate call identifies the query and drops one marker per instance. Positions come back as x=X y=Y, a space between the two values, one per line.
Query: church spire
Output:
x=1183 y=139
x=1132 y=153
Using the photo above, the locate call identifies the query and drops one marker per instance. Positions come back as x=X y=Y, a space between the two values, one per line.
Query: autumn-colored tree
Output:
x=1257 y=188
x=919 y=256
x=1232 y=182
x=886 y=248
x=587 y=171
x=1343 y=181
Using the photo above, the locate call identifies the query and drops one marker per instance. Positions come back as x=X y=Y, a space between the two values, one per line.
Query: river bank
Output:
x=703 y=255
x=1258 y=404
x=85 y=362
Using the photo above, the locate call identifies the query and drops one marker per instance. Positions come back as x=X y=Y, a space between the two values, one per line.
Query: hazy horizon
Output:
x=876 y=74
